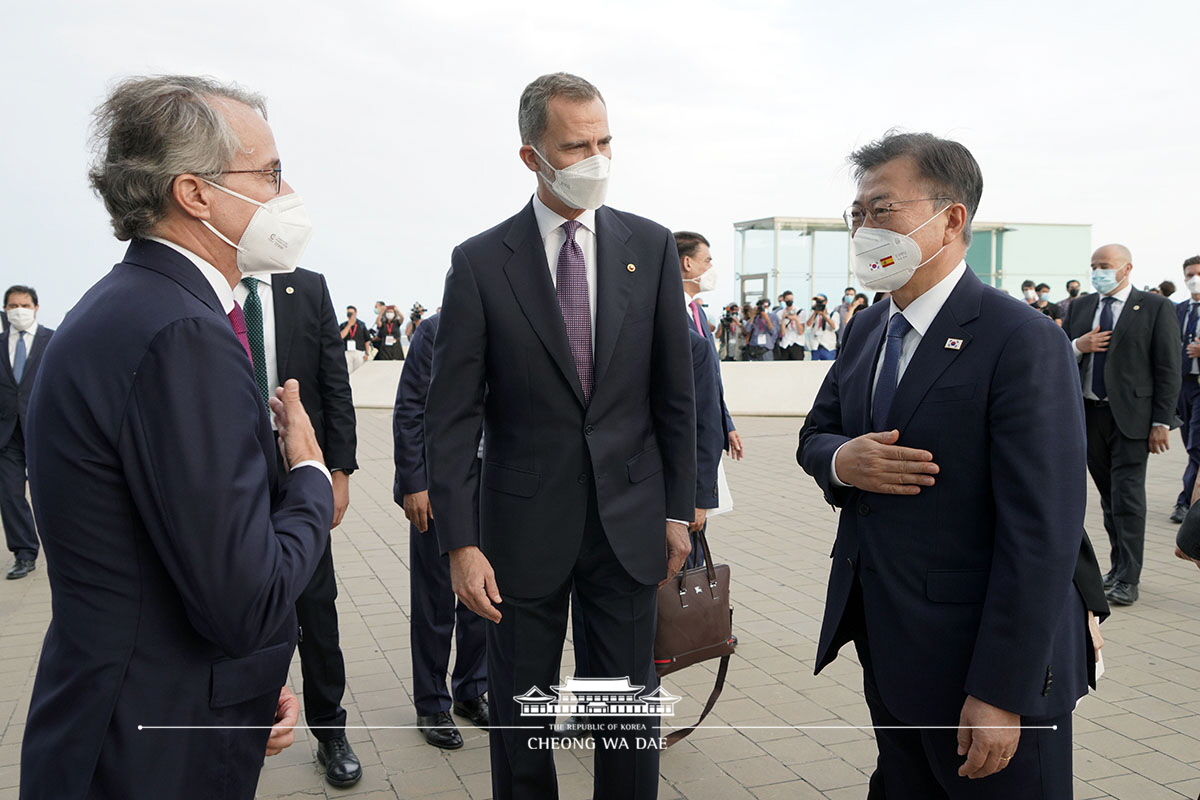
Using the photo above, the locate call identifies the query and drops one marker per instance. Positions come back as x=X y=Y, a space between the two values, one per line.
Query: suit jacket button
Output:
x=716 y=492
x=863 y=509
x=588 y=430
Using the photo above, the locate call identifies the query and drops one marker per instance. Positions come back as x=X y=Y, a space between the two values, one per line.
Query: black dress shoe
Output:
x=1122 y=594
x=440 y=731
x=474 y=710
x=1110 y=580
x=1178 y=514
x=573 y=727
x=23 y=567
x=341 y=765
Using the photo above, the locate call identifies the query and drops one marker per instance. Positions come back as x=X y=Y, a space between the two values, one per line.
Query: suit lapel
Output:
x=1130 y=318
x=856 y=366
x=614 y=284
x=285 y=320
x=932 y=356
x=8 y=371
x=1087 y=307
x=529 y=276
x=35 y=352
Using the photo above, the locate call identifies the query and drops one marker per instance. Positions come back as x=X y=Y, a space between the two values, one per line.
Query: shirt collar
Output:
x=1120 y=296
x=921 y=311
x=548 y=220
x=210 y=273
x=31 y=330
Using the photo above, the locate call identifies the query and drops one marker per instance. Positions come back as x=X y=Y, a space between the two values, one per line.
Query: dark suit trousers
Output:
x=1189 y=412
x=524 y=651
x=1118 y=467
x=436 y=617
x=19 y=531
x=922 y=763
x=321 y=663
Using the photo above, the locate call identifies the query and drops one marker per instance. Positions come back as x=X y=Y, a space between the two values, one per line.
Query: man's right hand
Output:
x=474 y=582
x=296 y=435
x=416 y=508
x=1094 y=341
x=872 y=462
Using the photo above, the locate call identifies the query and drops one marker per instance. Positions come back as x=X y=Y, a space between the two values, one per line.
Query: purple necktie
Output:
x=238 y=320
x=572 y=290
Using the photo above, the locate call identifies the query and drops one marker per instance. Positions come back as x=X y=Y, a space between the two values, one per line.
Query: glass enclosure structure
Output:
x=811 y=254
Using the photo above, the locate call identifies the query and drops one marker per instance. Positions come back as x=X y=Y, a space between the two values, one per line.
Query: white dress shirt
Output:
x=225 y=295
x=920 y=315
x=267 y=298
x=13 y=336
x=550 y=226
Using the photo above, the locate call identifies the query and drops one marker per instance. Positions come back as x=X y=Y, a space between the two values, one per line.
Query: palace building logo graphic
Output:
x=597 y=697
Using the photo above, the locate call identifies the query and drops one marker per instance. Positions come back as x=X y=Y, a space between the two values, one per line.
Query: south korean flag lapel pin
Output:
x=954 y=344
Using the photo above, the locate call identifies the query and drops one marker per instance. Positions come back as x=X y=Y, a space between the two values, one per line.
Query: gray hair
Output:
x=535 y=102
x=945 y=166
x=151 y=130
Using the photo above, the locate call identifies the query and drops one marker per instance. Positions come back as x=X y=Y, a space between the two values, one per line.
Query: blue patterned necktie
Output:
x=1189 y=333
x=889 y=371
x=572 y=290
x=1106 y=324
x=19 y=357
x=253 y=312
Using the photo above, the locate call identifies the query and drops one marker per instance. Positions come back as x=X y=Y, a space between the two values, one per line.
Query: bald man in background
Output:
x=1127 y=345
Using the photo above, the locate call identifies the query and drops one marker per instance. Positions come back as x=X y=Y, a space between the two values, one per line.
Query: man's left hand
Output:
x=341 y=495
x=987 y=736
x=736 y=449
x=1160 y=438
x=698 y=522
x=287 y=714
x=679 y=546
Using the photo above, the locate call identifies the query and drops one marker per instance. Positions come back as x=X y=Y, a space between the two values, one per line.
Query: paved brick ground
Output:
x=1138 y=738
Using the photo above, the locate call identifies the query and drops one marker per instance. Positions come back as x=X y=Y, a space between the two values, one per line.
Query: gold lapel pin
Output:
x=630 y=267
x=954 y=344
x=1135 y=308
x=290 y=290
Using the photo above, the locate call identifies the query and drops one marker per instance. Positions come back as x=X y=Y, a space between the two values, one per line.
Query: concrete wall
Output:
x=766 y=389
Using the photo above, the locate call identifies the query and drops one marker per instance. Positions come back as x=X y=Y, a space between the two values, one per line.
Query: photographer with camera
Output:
x=729 y=334
x=821 y=331
x=791 y=331
x=762 y=331
x=414 y=319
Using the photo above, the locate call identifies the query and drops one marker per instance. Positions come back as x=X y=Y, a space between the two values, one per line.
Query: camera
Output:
x=818 y=306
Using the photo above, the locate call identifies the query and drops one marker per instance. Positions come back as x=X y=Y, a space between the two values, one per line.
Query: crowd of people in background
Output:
x=381 y=340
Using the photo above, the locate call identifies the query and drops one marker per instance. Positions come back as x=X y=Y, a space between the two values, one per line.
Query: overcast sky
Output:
x=397 y=120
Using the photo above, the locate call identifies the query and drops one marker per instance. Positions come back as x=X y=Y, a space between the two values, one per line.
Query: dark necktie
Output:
x=19 y=357
x=572 y=290
x=695 y=305
x=1106 y=324
x=238 y=320
x=889 y=371
x=1189 y=333
x=254 y=331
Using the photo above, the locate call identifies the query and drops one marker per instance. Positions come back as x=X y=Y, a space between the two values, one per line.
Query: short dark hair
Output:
x=947 y=166
x=1042 y=286
x=786 y=292
x=1167 y=288
x=1077 y=282
x=351 y=308
x=1191 y=262
x=29 y=290
x=688 y=242
x=1026 y=285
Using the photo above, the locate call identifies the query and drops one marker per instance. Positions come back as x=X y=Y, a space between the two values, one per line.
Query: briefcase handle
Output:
x=709 y=570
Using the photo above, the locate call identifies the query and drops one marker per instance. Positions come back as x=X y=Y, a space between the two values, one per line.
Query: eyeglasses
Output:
x=856 y=215
x=276 y=174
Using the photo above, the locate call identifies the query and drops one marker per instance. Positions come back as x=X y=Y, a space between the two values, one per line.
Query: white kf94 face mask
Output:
x=583 y=185
x=884 y=260
x=707 y=281
x=274 y=239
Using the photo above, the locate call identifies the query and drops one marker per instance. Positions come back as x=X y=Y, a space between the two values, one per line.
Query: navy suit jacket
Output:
x=175 y=550
x=726 y=420
x=14 y=396
x=309 y=348
x=966 y=587
x=711 y=438
x=408 y=418
x=1181 y=312
x=503 y=366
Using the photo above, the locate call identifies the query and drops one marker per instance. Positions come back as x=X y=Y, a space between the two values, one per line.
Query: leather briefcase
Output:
x=695 y=624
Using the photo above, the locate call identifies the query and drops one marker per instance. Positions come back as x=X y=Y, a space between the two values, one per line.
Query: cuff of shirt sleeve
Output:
x=318 y=465
x=1075 y=348
x=681 y=522
x=1160 y=425
x=833 y=469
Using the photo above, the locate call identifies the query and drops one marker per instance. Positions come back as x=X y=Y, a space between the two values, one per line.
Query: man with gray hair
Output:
x=176 y=546
x=564 y=342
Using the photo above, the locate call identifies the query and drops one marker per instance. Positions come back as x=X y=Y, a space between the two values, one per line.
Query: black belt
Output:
x=1095 y=403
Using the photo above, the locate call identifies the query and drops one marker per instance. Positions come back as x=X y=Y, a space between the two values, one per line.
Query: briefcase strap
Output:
x=682 y=733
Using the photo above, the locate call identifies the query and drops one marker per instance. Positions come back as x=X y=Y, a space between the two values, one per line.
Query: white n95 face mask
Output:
x=276 y=236
x=707 y=281
x=582 y=185
x=21 y=318
x=1193 y=284
x=884 y=260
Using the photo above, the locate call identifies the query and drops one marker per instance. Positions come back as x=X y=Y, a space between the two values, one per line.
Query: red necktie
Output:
x=238 y=320
x=695 y=304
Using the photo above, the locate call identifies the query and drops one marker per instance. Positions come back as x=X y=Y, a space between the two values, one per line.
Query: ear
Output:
x=956 y=221
x=530 y=158
x=189 y=193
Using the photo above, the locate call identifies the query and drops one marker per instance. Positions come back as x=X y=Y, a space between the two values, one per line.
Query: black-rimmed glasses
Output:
x=855 y=215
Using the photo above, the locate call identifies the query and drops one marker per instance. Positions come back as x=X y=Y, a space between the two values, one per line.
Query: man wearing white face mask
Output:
x=563 y=341
x=26 y=342
x=176 y=543
x=932 y=434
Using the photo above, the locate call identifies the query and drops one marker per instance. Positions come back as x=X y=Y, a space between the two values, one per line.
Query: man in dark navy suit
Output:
x=436 y=617
x=563 y=343
x=932 y=434
x=1188 y=314
x=26 y=342
x=176 y=547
